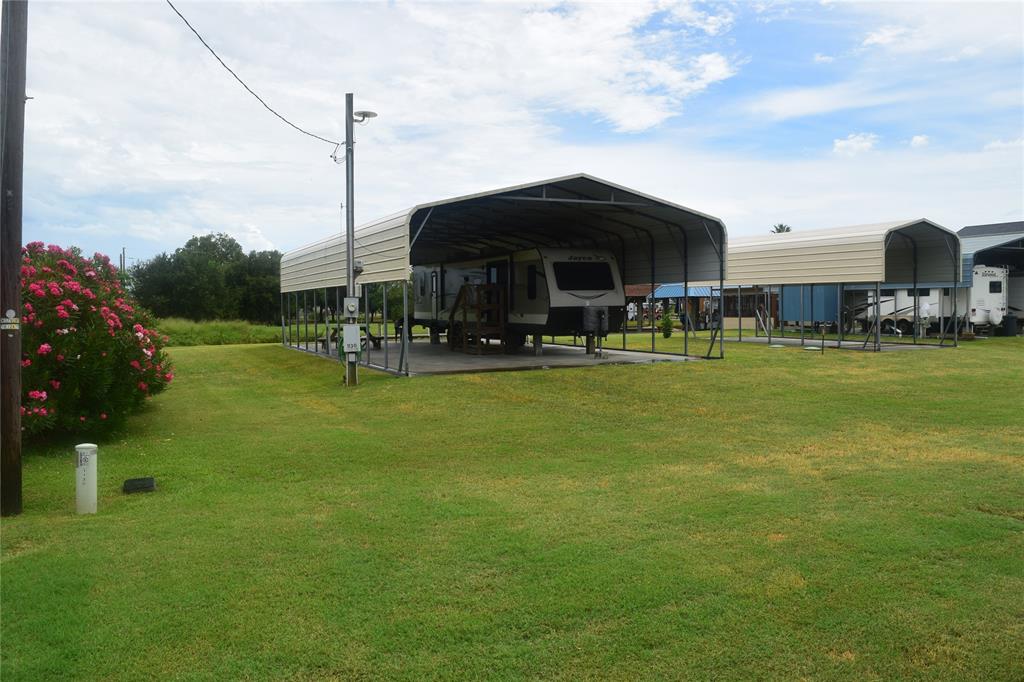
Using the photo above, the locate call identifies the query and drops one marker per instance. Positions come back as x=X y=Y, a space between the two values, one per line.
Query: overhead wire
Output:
x=250 y=90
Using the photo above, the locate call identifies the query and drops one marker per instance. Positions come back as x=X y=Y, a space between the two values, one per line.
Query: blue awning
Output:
x=676 y=291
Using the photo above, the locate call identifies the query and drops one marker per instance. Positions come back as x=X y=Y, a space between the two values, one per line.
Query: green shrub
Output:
x=666 y=325
x=90 y=356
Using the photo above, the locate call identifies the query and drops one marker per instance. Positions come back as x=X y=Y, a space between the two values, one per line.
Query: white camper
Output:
x=984 y=304
x=546 y=291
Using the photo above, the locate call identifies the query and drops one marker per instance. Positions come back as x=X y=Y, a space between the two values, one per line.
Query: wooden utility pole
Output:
x=13 y=44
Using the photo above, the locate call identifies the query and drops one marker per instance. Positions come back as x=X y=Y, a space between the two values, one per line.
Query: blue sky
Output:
x=815 y=114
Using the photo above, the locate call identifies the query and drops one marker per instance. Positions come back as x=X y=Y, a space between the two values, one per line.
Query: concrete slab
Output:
x=425 y=358
x=832 y=344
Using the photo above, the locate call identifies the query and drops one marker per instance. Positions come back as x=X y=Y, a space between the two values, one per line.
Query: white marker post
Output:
x=85 y=478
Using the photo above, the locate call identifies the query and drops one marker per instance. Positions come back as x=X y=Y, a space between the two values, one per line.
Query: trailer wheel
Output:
x=905 y=327
x=888 y=327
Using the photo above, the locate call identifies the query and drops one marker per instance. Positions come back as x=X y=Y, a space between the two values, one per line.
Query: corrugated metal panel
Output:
x=860 y=253
x=676 y=291
x=382 y=246
x=574 y=211
x=972 y=245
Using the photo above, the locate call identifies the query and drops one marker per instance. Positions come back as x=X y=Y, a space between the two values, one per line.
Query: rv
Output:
x=983 y=305
x=542 y=291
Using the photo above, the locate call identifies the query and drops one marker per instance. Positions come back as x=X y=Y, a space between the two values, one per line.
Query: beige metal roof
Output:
x=654 y=239
x=881 y=252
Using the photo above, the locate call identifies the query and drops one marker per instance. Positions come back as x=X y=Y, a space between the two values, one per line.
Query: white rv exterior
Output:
x=985 y=303
x=547 y=289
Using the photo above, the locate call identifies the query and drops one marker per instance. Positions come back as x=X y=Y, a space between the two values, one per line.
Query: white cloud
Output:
x=997 y=145
x=887 y=35
x=855 y=143
x=919 y=141
x=950 y=30
x=789 y=103
x=823 y=58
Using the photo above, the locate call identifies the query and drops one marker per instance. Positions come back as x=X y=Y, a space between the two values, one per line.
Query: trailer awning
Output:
x=901 y=251
x=653 y=239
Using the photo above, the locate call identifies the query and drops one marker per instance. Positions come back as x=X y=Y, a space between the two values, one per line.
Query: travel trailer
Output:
x=983 y=305
x=535 y=291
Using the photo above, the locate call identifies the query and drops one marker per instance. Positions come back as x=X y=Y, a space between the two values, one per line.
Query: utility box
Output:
x=350 y=307
x=350 y=338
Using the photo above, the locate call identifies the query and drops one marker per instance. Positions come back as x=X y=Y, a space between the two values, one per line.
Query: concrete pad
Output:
x=425 y=358
x=815 y=344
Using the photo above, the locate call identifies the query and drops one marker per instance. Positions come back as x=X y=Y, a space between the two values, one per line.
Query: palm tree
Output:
x=781 y=227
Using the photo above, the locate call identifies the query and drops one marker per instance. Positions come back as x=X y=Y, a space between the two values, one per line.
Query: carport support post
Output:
x=739 y=311
x=384 y=316
x=839 y=315
x=801 y=314
x=305 y=319
x=366 y=320
x=283 y=315
x=878 y=316
x=406 y=330
x=782 y=317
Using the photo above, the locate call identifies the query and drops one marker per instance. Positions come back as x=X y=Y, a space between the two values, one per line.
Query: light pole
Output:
x=351 y=333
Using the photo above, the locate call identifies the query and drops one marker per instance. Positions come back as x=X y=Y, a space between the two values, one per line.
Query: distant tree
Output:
x=779 y=228
x=210 y=277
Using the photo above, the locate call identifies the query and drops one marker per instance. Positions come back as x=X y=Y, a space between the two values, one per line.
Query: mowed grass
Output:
x=780 y=514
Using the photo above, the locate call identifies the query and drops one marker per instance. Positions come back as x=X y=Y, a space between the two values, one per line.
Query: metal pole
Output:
x=839 y=315
x=406 y=329
x=366 y=319
x=813 y=320
x=351 y=364
x=739 y=310
x=384 y=321
x=281 y=302
x=316 y=324
x=652 y=296
x=305 y=318
x=956 y=319
x=878 y=316
x=782 y=316
x=801 y=314
x=12 y=134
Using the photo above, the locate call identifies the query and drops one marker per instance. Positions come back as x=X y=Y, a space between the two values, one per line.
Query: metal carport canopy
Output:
x=654 y=239
x=900 y=251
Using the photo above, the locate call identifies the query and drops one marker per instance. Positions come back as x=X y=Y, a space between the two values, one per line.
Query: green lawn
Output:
x=780 y=514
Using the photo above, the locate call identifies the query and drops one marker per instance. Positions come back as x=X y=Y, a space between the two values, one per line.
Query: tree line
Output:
x=210 y=278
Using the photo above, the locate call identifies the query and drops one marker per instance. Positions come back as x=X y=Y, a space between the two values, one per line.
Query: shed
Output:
x=993 y=244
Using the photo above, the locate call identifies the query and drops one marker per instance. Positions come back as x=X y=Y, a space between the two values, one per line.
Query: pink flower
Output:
x=37 y=395
x=169 y=376
x=60 y=358
x=103 y=415
x=55 y=384
x=44 y=349
x=26 y=362
x=136 y=365
x=61 y=313
x=143 y=386
x=22 y=410
x=42 y=411
x=82 y=418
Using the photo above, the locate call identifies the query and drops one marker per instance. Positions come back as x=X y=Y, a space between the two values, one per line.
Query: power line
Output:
x=251 y=92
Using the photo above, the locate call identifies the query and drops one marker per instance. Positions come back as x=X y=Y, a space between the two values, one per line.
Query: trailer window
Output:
x=531 y=282
x=584 y=276
x=920 y=292
x=887 y=292
x=995 y=287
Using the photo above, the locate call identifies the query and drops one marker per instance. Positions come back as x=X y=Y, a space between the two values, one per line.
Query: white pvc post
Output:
x=85 y=478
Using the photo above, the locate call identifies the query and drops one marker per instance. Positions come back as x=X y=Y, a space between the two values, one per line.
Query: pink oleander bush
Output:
x=90 y=357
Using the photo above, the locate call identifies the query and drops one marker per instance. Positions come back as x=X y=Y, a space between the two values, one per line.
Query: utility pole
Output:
x=351 y=311
x=351 y=332
x=12 y=129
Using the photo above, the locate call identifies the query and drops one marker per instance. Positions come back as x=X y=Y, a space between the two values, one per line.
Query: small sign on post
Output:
x=85 y=478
